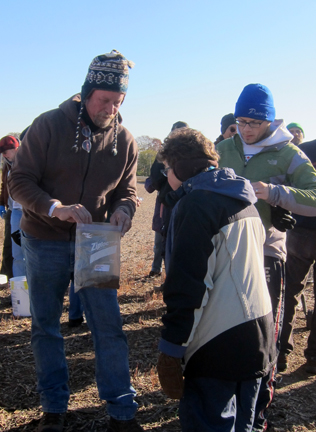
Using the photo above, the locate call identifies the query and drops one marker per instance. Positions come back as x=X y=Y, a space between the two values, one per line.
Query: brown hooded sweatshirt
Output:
x=48 y=169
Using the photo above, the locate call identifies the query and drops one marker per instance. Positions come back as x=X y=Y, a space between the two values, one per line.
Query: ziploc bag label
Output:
x=102 y=268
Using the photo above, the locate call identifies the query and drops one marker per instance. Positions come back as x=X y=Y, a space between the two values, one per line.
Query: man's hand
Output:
x=170 y=376
x=282 y=219
x=121 y=219
x=75 y=213
x=261 y=190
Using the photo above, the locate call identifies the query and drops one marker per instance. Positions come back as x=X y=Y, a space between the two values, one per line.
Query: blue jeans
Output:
x=18 y=266
x=75 y=305
x=49 y=266
x=210 y=405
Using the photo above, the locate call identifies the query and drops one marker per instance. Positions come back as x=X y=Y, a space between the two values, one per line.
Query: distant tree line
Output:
x=148 y=149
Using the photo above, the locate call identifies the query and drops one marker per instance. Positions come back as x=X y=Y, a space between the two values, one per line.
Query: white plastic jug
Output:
x=3 y=280
x=20 y=296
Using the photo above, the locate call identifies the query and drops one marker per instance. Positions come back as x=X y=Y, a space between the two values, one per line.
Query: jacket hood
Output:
x=222 y=181
x=71 y=107
x=279 y=135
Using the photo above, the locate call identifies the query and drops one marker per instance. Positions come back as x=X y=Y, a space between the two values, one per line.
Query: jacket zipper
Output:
x=82 y=190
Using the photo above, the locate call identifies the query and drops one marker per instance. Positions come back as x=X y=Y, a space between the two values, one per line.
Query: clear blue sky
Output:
x=192 y=58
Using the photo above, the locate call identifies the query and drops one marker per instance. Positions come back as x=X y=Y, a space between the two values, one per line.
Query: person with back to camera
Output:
x=228 y=128
x=77 y=165
x=219 y=317
x=284 y=180
x=158 y=182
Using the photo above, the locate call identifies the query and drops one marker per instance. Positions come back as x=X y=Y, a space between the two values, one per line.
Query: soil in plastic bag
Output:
x=97 y=256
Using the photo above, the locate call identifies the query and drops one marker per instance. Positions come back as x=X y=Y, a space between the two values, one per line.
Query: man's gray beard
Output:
x=101 y=122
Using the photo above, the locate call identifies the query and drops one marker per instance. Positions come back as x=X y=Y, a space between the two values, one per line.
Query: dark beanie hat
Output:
x=107 y=72
x=256 y=102
x=226 y=121
x=179 y=125
x=8 y=142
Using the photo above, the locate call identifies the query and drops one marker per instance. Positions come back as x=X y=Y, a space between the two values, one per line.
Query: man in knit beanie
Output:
x=297 y=132
x=228 y=128
x=280 y=174
x=77 y=164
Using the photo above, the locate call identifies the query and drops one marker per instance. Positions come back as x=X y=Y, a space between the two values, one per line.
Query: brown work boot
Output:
x=52 y=422
x=124 y=426
x=310 y=365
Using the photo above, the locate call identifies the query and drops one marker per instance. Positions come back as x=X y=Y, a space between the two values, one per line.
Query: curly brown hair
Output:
x=186 y=143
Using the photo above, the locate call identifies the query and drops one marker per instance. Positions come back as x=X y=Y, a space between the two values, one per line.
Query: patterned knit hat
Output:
x=107 y=72
x=8 y=142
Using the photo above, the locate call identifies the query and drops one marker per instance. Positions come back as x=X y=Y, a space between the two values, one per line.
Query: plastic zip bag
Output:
x=97 y=256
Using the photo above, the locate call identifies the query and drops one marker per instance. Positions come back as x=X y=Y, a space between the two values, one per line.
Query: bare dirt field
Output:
x=293 y=408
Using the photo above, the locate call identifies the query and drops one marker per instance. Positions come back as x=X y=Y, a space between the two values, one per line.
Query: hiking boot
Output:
x=124 y=426
x=154 y=273
x=310 y=365
x=52 y=422
x=282 y=362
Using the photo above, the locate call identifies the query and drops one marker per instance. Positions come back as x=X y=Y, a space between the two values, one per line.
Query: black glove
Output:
x=282 y=219
x=170 y=376
x=16 y=236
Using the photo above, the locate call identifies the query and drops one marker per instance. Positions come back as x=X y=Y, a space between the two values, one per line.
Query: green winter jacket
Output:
x=289 y=173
